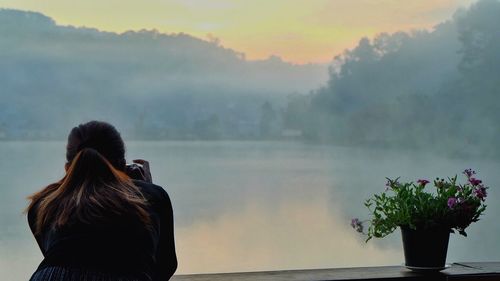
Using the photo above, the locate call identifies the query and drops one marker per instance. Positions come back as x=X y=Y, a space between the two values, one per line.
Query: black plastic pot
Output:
x=425 y=248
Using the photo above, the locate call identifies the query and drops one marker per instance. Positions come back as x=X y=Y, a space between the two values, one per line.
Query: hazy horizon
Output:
x=387 y=91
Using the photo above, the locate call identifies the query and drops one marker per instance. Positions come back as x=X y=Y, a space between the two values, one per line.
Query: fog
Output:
x=425 y=89
x=153 y=85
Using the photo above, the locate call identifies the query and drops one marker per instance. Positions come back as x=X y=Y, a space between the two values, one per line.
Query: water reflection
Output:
x=292 y=235
x=243 y=206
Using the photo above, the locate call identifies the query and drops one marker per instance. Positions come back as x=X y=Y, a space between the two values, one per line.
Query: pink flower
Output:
x=423 y=182
x=475 y=182
x=452 y=202
x=480 y=192
x=469 y=172
x=357 y=225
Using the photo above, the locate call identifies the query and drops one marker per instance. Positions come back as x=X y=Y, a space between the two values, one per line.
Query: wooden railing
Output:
x=457 y=271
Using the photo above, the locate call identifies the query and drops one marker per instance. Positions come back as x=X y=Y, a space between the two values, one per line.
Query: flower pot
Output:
x=425 y=248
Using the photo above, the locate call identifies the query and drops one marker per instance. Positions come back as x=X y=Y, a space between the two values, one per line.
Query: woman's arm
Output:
x=31 y=223
x=166 y=259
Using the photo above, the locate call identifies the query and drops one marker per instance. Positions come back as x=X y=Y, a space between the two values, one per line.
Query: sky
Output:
x=299 y=31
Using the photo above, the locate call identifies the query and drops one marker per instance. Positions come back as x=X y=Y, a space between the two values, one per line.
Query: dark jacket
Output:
x=118 y=244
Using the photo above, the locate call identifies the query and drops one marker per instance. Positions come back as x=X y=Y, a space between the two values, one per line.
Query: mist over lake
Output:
x=245 y=206
x=430 y=89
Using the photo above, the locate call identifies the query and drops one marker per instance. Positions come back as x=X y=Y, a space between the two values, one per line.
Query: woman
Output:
x=97 y=223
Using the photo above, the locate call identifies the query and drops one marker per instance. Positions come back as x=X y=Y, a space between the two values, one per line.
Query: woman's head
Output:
x=100 y=136
x=95 y=186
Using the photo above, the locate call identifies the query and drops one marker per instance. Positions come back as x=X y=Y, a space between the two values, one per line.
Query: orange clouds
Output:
x=297 y=30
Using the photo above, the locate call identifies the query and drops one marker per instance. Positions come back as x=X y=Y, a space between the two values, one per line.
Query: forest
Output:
x=435 y=90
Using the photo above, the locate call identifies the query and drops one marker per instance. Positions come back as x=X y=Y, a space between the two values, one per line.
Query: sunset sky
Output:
x=299 y=31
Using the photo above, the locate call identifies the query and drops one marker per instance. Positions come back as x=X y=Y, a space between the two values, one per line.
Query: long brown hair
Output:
x=94 y=187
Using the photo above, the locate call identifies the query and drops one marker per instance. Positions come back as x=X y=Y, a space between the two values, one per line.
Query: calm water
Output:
x=245 y=206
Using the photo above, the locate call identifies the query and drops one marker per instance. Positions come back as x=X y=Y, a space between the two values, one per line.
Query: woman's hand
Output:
x=141 y=171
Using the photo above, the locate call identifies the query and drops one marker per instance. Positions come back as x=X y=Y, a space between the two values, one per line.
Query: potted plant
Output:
x=426 y=216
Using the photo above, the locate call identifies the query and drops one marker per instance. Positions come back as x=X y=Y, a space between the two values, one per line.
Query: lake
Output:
x=248 y=206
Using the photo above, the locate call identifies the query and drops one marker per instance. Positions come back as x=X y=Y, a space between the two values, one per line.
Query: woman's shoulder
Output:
x=31 y=215
x=153 y=192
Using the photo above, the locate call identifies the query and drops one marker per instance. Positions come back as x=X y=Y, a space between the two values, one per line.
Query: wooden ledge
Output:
x=457 y=271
